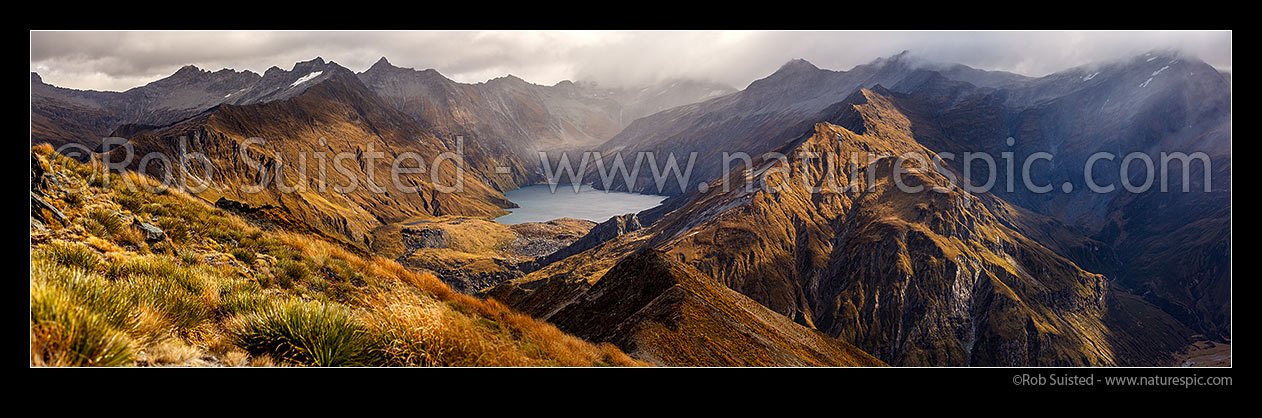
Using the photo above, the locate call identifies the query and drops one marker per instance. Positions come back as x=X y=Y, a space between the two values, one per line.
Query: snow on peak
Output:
x=306 y=78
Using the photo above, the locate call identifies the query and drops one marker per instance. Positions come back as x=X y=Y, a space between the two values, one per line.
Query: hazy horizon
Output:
x=119 y=60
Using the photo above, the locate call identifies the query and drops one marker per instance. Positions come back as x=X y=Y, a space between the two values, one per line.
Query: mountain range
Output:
x=756 y=276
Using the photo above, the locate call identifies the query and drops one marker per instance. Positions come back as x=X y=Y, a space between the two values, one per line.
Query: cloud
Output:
x=122 y=60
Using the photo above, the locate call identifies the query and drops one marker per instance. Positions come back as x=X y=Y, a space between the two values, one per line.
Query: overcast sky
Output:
x=122 y=60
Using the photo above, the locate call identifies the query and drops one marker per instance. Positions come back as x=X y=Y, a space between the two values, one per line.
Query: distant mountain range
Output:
x=524 y=116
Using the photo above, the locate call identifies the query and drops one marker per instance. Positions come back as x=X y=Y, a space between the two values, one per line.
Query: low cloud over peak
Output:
x=122 y=60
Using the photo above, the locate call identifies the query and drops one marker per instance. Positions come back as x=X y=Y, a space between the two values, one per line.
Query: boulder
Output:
x=152 y=232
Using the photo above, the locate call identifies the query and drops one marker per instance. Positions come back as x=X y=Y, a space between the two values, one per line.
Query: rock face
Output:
x=64 y=115
x=599 y=234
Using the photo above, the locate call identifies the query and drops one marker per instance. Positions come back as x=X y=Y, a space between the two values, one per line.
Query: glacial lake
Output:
x=539 y=204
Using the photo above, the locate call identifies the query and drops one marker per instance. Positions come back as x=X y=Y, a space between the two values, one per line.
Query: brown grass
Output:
x=104 y=299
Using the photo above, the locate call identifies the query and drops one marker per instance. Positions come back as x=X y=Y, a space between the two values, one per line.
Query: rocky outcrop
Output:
x=241 y=207
x=415 y=239
x=599 y=234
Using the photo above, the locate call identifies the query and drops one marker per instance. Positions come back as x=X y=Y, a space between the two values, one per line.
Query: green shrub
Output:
x=304 y=333
x=73 y=199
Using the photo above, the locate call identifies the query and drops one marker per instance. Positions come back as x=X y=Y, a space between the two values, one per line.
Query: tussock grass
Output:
x=106 y=220
x=304 y=333
x=64 y=333
x=298 y=300
x=289 y=272
x=243 y=255
x=70 y=254
x=176 y=229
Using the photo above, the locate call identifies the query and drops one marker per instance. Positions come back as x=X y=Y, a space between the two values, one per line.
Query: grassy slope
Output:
x=221 y=291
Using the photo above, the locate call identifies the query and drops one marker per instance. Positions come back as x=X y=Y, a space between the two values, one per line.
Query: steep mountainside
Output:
x=755 y=120
x=336 y=115
x=1173 y=248
x=928 y=278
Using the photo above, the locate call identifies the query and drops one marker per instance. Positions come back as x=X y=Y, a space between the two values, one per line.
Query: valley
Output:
x=299 y=211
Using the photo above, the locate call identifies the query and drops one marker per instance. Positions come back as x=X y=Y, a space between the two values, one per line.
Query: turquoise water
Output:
x=538 y=203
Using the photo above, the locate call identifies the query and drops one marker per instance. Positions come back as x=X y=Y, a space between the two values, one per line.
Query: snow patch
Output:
x=306 y=78
x=1145 y=83
x=1154 y=73
x=1150 y=59
x=1088 y=77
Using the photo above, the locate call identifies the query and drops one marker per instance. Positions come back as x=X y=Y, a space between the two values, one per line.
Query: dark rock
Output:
x=240 y=207
x=414 y=239
x=38 y=203
x=152 y=232
x=605 y=231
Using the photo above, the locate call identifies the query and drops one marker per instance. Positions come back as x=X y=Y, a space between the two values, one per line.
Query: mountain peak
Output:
x=317 y=62
x=188 y=70
x=508 y=79
x=382 y=64
x=796 y=65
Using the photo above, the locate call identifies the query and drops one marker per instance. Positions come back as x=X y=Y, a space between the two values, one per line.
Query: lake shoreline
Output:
x=544 y=202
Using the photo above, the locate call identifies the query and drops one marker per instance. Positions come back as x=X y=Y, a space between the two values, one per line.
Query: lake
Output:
x=538 y=204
